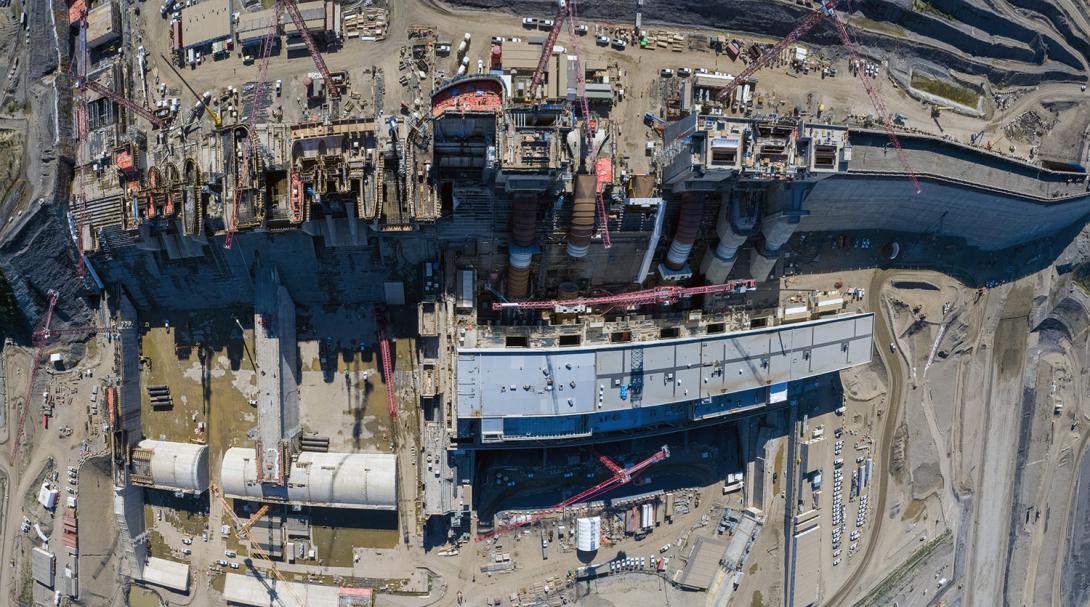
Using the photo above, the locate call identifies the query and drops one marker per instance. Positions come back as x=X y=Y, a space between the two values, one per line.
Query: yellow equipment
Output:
x=254 y=549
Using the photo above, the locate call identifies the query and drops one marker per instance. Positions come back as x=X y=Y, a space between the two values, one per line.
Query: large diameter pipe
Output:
x=688 y=227
x=582 y=218
x=523 y=228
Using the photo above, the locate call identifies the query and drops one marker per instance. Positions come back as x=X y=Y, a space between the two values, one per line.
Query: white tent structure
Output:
x=171 y=466
x=338 y=480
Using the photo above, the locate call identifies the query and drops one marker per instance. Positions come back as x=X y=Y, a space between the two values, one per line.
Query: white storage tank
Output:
x=588 y=533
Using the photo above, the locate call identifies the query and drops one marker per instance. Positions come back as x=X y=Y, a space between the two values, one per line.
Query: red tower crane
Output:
x=828 y=9
x=634 y=298
x=592 y=155
x=83 y=83
x=267 y=42
x=293 y=10
x=619 y=478
x=38 y=343
x=550 y=42
x=387 y=361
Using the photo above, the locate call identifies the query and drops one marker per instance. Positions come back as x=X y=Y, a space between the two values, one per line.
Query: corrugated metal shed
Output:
x=248 y=590
x=341 y=480
x=178 y=466
x=205 y=23
x=43 y=566
x=167 y=574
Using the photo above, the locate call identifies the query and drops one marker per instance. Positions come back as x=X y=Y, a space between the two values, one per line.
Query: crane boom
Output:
x=800 y=30
x=216 y=120
x=38 y=341
x=876 y=100
x=618 y=479
x=293 y=10
x=828 y=9
x=243 y=531
x=83 y=83
x=592 y=156
x=547 y=49
x=387 y=361
x=634 y=298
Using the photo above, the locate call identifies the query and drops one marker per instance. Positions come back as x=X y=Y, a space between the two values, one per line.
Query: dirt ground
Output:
x=98 y=539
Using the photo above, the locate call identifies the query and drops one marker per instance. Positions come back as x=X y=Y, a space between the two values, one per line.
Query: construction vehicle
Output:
x=621 y=476
x=216 y=120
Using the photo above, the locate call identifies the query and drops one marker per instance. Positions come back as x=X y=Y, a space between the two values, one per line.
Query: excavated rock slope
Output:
x=1020 y=42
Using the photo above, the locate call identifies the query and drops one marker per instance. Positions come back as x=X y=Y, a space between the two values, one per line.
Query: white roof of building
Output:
x=248 y=590
x=179 y=466
x=342 y=480
x=167 y=574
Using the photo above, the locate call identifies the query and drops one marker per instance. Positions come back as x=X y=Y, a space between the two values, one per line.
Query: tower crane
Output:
x=83 y=83
x=216 y=120
x=621 y=477
x=592 y=154
x=81 y=147
x=550 y=42
x=387 y=360
x=293 y=10
x=243 y=531
x=258 y=92
x=38 y=343
x=828 y=10
x=634 y=298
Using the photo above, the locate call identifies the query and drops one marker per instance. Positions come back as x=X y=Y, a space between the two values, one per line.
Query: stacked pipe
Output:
x=582 y=217
x=523 y=226
x=317 y=444
x=718 y=263
x=688 y=227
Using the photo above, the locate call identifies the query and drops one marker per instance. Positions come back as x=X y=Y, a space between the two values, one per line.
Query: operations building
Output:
x=507 y=394
x=103 y=25
x=337 y=480
x=206 y=26
x=170 y=466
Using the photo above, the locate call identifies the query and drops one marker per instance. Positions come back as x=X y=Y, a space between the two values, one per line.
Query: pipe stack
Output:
x=582 y=217
x=523 y=227
x=688 y=228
